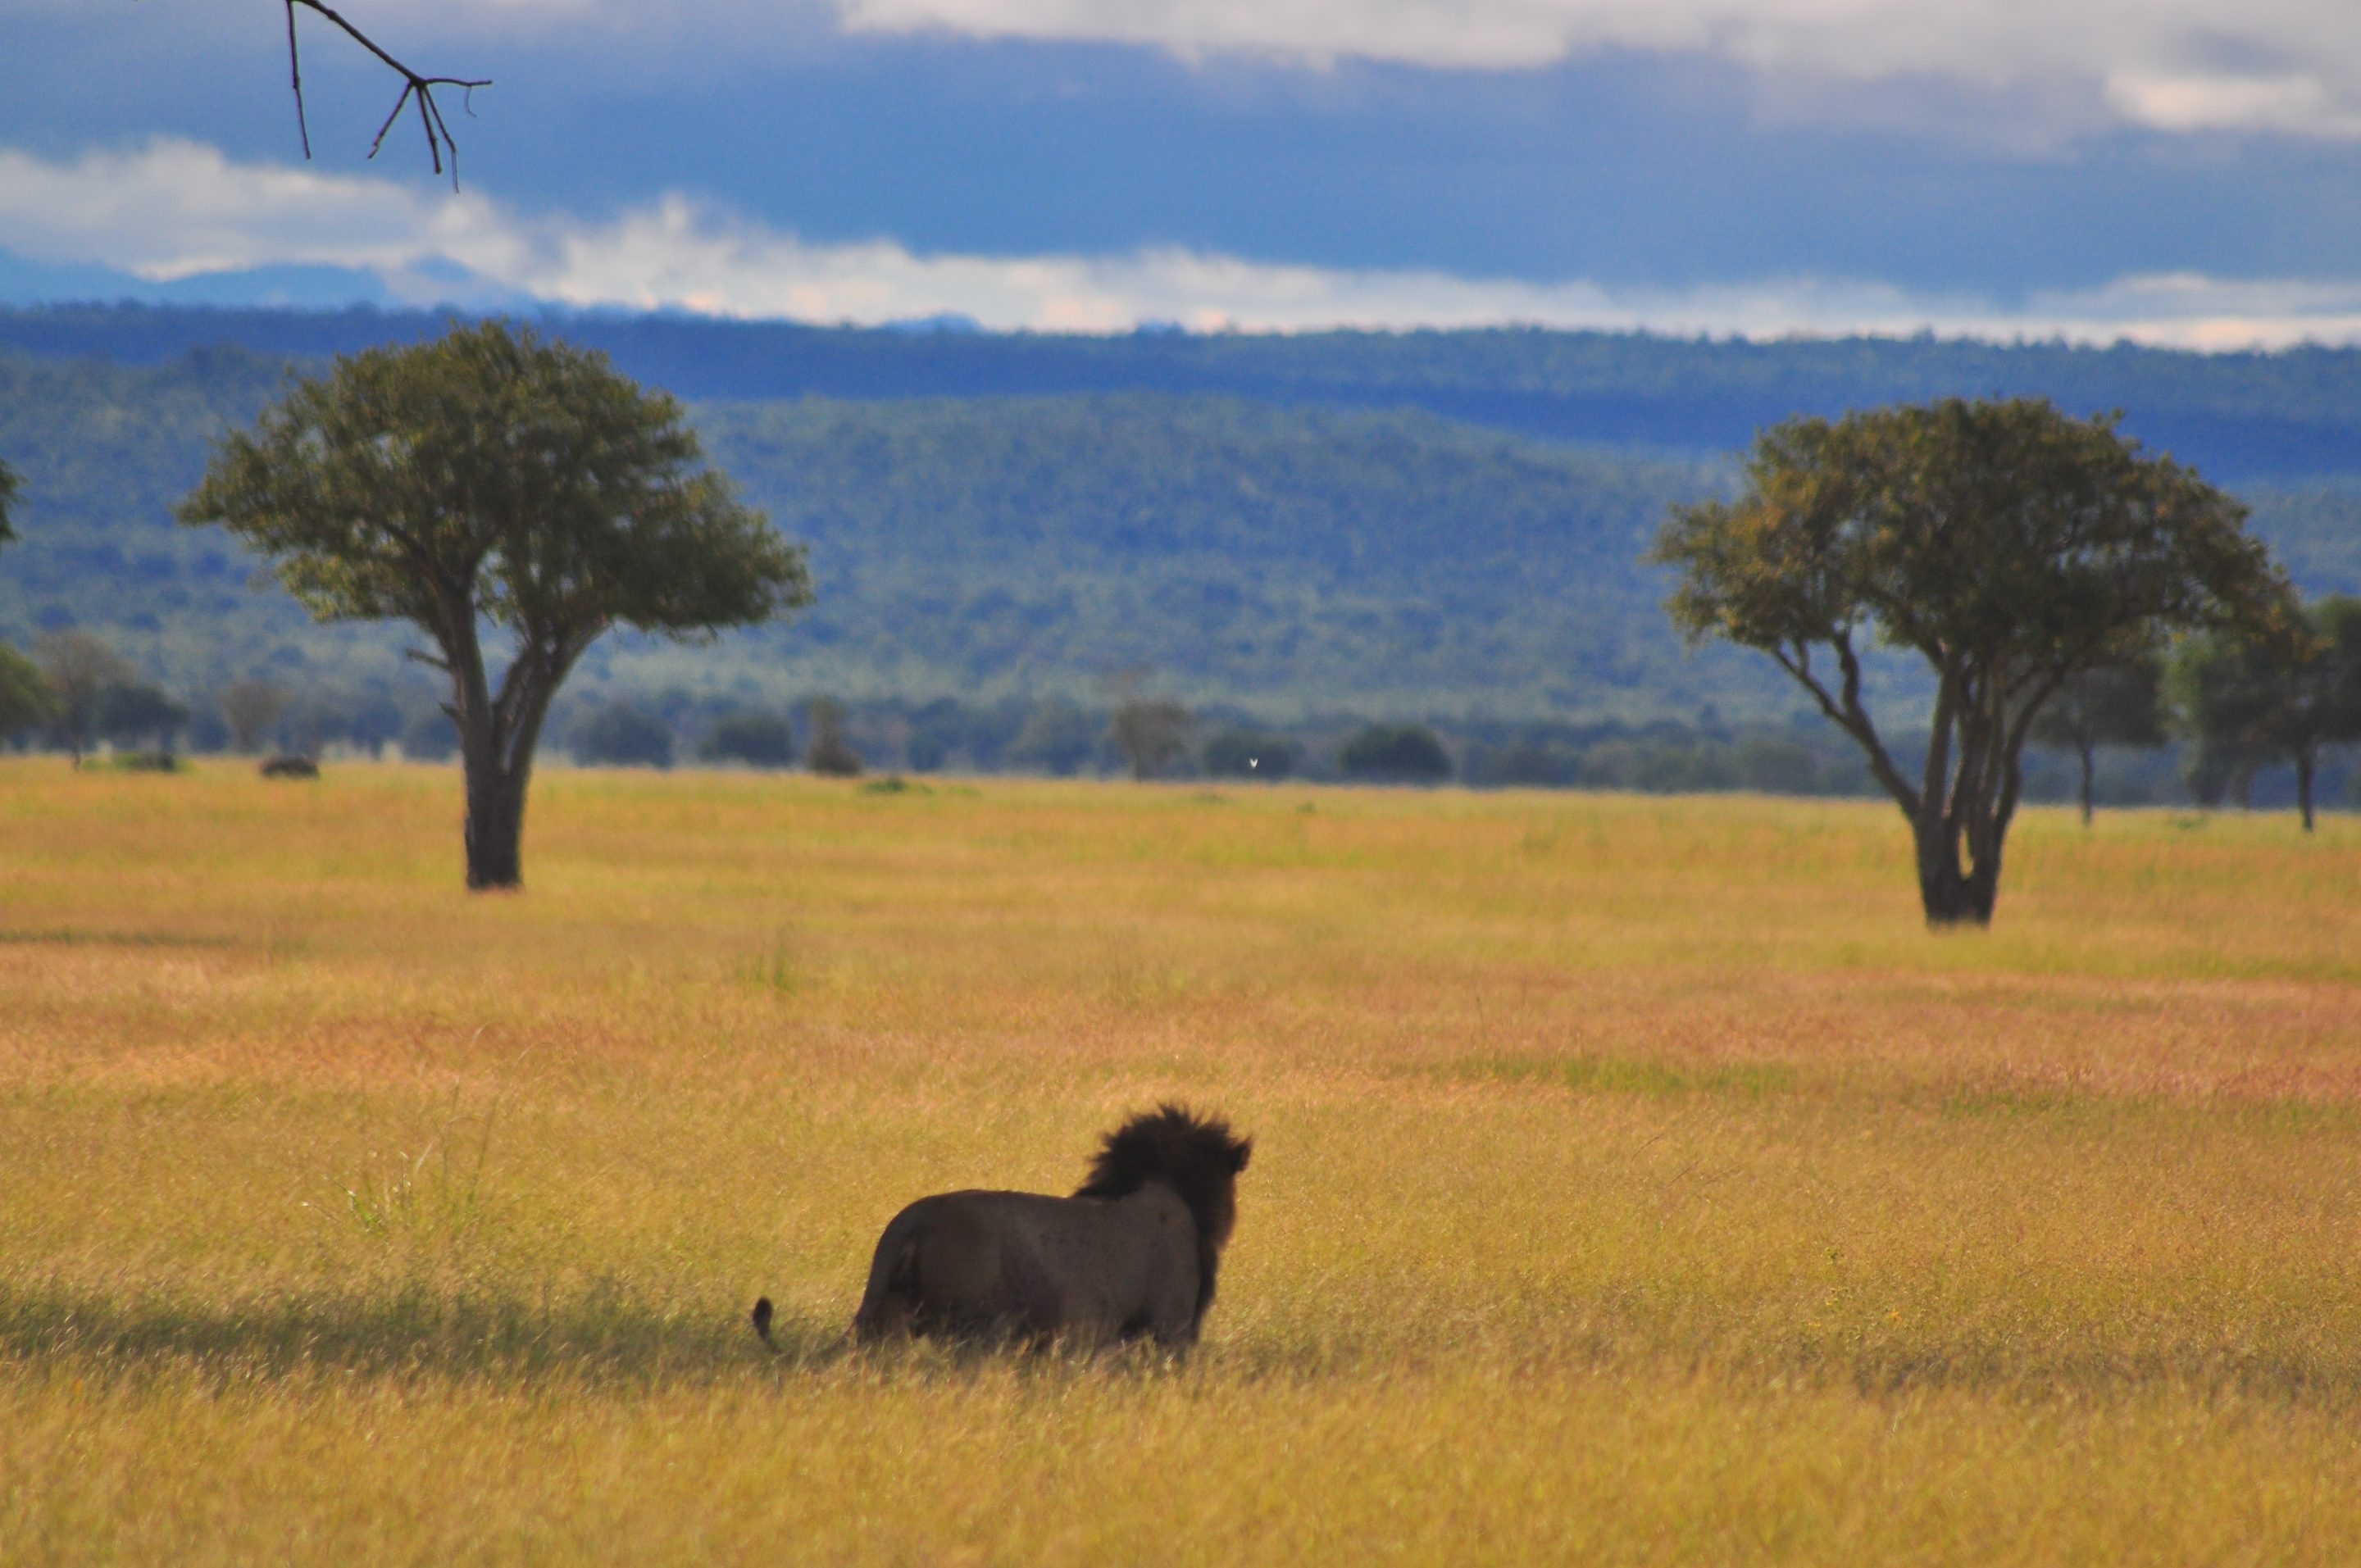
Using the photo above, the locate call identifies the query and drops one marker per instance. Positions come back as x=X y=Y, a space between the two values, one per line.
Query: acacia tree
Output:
x=830 y=752
x=80 y=668
x=2106 y=705
x=2008 y=546
x=250 y=707
x=1152 y=733
x=2252 y=701
x=494 y=482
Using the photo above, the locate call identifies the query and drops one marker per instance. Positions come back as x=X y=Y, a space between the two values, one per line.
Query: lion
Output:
x=1133 y=1254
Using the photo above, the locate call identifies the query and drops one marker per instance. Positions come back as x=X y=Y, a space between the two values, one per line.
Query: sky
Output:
x=2183 y=172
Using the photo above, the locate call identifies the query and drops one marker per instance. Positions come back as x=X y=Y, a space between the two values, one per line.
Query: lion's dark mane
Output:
x=1195 y=1156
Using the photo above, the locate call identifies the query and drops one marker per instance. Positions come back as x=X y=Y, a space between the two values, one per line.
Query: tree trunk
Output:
x=2305 y=763
x=2086 y=786
x=1952 y=894
x=495 y=830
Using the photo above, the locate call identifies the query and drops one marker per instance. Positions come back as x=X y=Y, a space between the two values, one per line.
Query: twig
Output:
x=439 y=139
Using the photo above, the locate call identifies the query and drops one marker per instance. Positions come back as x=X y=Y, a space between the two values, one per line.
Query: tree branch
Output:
x=1847 y=712
x=1865 y=732
x=2020 y=727
x=439 y=140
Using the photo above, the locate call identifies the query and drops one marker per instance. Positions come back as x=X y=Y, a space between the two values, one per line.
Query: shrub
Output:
x=621 y=734
x=1059 y=737
x=1397 y=754
x=758 y=739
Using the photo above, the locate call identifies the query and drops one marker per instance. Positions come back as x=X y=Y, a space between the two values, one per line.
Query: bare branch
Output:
x=295 y=73
x=439 y=140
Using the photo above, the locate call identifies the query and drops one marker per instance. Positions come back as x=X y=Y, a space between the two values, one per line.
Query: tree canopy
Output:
x=2010 y=546
x=80 y=669
x=494 y=480
x=24 y=697
x=2248 y=701
x=2106 y=705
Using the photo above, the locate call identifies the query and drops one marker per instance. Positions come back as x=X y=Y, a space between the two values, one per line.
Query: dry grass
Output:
x=1636 y=1180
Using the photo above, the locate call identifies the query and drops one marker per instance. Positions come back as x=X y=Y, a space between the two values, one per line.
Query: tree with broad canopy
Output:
x=493 y=481
x=2010 y=546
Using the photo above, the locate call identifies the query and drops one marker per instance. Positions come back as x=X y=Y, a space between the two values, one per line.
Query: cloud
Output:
x=175 y=210
x=2275 y=66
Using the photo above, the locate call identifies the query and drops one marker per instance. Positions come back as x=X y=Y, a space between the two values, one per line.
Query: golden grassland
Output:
x=1636 y=1180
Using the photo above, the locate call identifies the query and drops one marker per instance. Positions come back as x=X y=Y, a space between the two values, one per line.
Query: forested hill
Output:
x=1283 y=561
x=2238 y=416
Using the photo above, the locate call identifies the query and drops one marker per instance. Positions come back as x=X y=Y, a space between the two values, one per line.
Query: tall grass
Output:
x=1636 y=1180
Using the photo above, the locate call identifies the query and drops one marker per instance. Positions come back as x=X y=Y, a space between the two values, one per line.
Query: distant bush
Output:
x=145 y=762
x=133 y=714
x=1058 y=738
x=622 y=735
x=1239 y=753
x=1397 y=754
x=758 y=739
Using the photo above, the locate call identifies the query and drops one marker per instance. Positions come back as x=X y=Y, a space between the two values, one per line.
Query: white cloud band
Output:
x=174 y=209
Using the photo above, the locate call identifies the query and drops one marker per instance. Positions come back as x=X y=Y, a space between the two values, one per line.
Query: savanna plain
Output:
x=1635 y=1180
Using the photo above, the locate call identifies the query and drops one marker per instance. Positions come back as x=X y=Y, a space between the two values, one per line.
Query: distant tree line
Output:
x=2145 y=754
x=2218 y=724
